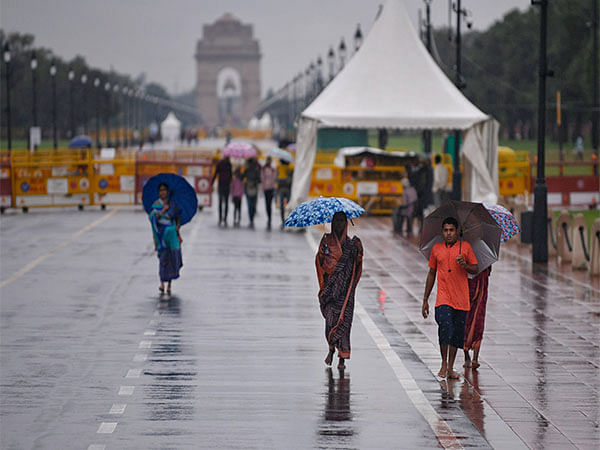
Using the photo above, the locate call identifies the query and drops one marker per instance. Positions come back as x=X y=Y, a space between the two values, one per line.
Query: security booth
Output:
x=369 y=176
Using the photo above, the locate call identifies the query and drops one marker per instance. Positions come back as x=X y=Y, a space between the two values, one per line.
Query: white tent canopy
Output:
x=391 y=82
x=170 y=128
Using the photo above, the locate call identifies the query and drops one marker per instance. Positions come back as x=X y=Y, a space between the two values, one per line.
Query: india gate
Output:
x=228 y=73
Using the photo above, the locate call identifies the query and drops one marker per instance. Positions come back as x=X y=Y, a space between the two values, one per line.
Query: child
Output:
x=237 y=191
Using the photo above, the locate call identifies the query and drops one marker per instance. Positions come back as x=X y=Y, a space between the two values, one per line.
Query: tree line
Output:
x=500 y=68
x=113 y=108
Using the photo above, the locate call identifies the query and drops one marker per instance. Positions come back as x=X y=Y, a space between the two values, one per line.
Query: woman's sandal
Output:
x=162 y=290
x=168 y=291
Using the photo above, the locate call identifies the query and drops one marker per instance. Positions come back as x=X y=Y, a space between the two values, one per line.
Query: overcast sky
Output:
x=158 y=37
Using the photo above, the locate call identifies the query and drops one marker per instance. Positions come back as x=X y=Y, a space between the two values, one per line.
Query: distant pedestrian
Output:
x=268 y=178
x=475 y=322
x=339 y=267
x=451 y=261
x=418 y=179
x=237 y=192
x=167 y=240
x=251 y=177
x=578 y=150
x=406 y=211
x=440 y=182
x=223 y=172
x=284 y=186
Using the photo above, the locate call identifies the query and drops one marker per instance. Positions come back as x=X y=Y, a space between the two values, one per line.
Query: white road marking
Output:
x=126 y=390
x=149 y=333
x=442 y=431
x=145 y=344
x=133 y=373
x=96 y=447
x=138 y=357
x=107 y=427
x=118 y=408
x=63 y=244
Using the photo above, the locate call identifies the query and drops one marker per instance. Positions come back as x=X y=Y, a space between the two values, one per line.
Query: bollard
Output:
x=580 y=253
x=551 y=237
x=595 y=248
x=563 y=243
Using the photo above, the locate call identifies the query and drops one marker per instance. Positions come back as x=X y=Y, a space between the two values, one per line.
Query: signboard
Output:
x=35 y=137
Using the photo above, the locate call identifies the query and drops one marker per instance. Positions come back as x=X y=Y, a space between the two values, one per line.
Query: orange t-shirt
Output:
x=453 y=286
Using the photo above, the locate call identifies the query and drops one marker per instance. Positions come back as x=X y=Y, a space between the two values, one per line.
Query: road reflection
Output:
x=169 y=395
x=336 y=427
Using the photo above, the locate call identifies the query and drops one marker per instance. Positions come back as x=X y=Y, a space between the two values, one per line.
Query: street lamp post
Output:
x=125 y=91
x=358 y=38
x=107 y=114
x=71 y=77
x=84 y=101
x=319 y=74
x=8 y=111
x=53 y=77
x=117 y=131
x=427 y=133
x=595 y=89
x=97 y=101
x=342 y=54
x=331 y=63
x=34 y=64
x=540 y=190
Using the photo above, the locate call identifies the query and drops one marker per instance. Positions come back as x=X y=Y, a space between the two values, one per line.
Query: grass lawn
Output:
x=22 y=143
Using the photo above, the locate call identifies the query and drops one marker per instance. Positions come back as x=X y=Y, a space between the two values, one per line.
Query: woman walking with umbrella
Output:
x=339 y=267
x=174 y=206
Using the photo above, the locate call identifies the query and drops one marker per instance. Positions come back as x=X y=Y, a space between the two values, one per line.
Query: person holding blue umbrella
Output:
x=339 y=267
x=176 y=205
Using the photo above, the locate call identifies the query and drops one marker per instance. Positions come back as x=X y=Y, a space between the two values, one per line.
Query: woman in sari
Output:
x=475 y=322
x=339 y=266
x=164 y=218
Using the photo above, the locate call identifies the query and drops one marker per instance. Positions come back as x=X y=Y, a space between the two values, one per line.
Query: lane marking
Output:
x=442 y=430
x=63 y=244
x=145 y=344
x=133 y=373
x=138 y=357
x=118 y=408
x=96 y=447
x=126 y=390
x=149 y=332
x=107 y=427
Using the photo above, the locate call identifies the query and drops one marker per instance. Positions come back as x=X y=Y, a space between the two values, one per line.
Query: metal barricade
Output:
x=113 y=181
x=5 y=182
x=195 y=166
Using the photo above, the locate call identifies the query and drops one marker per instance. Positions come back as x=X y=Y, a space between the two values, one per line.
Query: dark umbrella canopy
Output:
x=181 y=193
x=476 y=226
x=81 y=141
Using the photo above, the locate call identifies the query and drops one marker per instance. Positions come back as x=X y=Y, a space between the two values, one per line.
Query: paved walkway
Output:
x=90 y=357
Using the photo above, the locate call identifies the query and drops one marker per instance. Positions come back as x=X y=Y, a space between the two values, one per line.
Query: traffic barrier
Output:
x=551 y=238
x=564 y=248
x=580 y=253
x=113 y=180
x=5 y=182
x=194 y=166
x=595 y=248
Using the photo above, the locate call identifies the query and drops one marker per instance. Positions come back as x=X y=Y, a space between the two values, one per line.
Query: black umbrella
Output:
x=476 y=226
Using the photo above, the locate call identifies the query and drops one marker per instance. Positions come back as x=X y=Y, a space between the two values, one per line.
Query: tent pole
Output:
x=456 y=175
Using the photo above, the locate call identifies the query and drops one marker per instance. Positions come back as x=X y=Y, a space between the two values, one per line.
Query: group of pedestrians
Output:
x=248 y=181
x=461 y=299
x=422 y=187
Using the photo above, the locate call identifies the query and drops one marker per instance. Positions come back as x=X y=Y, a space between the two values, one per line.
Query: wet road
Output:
x=92 y=358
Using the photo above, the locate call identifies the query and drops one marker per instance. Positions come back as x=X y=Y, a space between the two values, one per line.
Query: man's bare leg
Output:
x=475 y=363
x=341 y=365
x=467 y=359
x=444 y=368
x=451 y=374
x=329 y=358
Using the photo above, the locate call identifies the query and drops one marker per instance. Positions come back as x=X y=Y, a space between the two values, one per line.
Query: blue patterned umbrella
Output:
x=321 y=210
x=181 y=193
x=505 y=219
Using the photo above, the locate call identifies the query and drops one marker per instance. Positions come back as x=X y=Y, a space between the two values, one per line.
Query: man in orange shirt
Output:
x=450 y=261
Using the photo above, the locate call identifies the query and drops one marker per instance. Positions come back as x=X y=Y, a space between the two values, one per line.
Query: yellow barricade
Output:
x=113 y=181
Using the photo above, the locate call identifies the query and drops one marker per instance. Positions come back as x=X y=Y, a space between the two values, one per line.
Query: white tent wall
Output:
x=480 y=162
x=391 y=82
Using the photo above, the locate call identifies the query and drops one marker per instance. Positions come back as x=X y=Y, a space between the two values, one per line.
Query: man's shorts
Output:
x=451 y=325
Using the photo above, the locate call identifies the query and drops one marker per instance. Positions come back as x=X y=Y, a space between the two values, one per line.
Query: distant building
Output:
x=228 y=73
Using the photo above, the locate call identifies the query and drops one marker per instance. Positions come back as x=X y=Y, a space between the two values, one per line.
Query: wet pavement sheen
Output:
x=91 y=357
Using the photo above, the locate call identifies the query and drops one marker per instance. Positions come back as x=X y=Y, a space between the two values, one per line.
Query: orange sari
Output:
x=339 y=267
x=475 y=323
